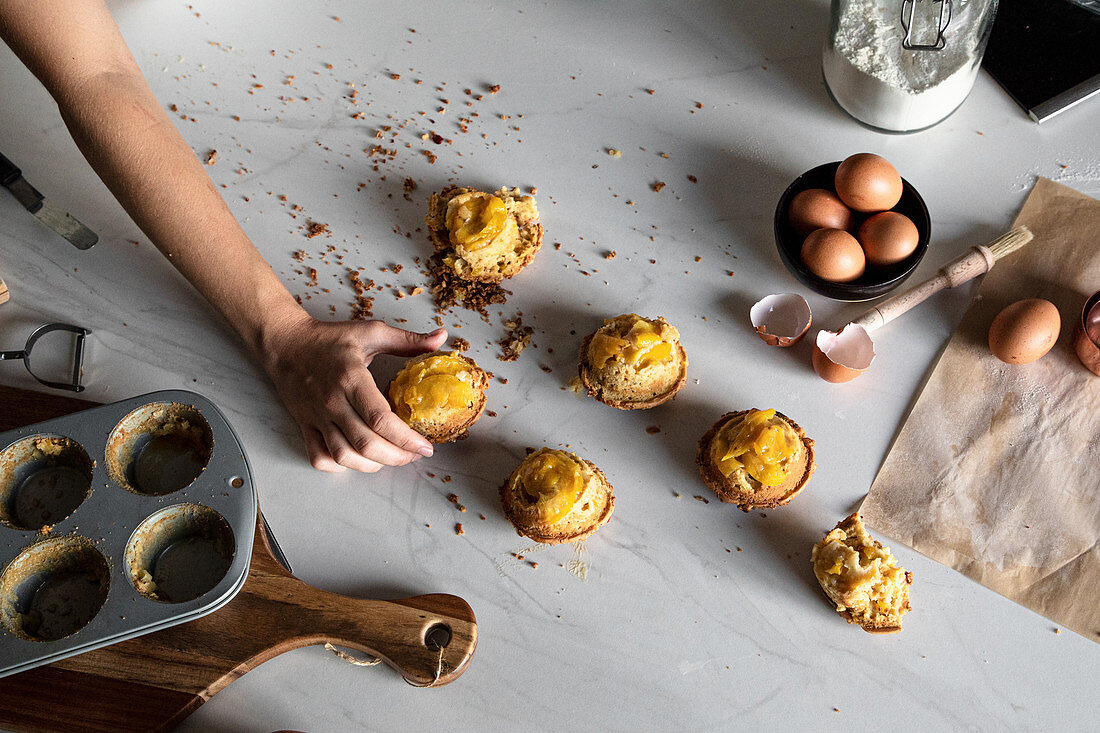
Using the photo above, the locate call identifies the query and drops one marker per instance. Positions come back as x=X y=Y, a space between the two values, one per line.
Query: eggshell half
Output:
x=781 y=319
x=841 y=357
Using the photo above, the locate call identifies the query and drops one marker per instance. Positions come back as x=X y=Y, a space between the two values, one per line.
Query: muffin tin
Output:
x=149 y=509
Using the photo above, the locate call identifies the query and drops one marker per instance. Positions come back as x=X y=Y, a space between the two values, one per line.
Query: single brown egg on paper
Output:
x=1024 y=331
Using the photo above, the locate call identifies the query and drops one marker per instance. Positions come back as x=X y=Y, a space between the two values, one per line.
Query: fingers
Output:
x=375 y=412
x=319 y=456
x=383 y=338
x=345 y=455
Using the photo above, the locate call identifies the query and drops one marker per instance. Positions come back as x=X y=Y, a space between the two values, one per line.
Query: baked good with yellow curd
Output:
x=633 y=363
x=862 y=577
x=555 y=496
x=756 y=459
x=439 y=395
x=484 y=237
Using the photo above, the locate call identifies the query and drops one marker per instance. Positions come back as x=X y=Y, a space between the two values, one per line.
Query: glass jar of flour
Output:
x=904 y=65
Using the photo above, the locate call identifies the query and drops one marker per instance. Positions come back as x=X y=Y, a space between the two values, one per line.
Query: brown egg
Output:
x=1024 y=331
x=867 y=182
x=888 y=238
x=816 y=208
x=833 y=255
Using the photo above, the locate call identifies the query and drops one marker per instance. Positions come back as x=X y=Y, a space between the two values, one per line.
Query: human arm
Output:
x=320 y=369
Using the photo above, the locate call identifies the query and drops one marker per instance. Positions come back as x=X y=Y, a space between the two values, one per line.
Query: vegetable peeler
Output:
x=78 y=357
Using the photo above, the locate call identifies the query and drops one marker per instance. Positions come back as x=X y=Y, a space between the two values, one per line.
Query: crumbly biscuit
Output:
x=489 y=265
x=745 y=491
x=591 y=510
x=861 y=577
x=455 y=424
x=624 y=387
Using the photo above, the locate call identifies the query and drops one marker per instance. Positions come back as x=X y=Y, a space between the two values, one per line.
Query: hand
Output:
x=320 y=370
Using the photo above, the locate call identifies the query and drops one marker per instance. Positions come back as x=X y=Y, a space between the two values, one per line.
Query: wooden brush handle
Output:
x=975 y=262
x=4 y=294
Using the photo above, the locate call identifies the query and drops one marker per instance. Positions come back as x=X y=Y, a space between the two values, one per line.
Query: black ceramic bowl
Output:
x=877 y=280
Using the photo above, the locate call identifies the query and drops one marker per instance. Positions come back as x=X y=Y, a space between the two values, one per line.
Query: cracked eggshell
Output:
x=841 y=357
x=781 y=319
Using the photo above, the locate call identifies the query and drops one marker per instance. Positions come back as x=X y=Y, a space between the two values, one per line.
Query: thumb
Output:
x=385 y=339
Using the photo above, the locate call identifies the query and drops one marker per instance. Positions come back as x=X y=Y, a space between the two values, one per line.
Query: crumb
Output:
x=653 y=429
x=614 y=153
x=676 y=494
x=650 y=91
x=316 y=229
x=610 y=255
x=449 y=290
x=460 y=344
x=534 y=565
x=702 y=499
x=458 y=529
x=211 y=156
x=658 y=186
x=494 y=89
x=481 y=517
x=515 y=340
x=408 y=187
x=363 y=305
x=693 y=179
x=395 y=77
x=1056 y=631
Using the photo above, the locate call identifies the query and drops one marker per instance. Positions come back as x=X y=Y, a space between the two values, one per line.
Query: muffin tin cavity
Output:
x=43 y=479
x=180 y=553
x=159 y=448
x=53 y=589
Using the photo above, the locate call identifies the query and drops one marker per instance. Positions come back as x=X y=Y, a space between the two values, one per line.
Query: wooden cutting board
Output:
x=154 y=681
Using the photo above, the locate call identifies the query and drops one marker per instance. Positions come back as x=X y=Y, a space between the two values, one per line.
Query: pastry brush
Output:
x=977 y=261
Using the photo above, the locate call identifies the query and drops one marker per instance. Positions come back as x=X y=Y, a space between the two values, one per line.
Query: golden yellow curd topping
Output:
x=761 y=444
x=551 y=481
x=475 y=219
x=636 y=341
x=439 y=382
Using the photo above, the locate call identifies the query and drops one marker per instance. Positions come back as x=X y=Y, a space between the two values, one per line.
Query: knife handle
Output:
x=9 y=171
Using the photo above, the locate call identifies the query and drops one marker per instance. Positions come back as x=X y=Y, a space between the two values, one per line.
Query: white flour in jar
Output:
x=884 y=85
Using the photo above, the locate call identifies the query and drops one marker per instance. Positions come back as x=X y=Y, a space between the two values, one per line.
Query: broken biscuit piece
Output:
x=484 y=237
x=862 y=577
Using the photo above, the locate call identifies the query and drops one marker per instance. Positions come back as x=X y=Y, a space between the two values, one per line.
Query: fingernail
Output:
x=436 y=332
x=426 y=451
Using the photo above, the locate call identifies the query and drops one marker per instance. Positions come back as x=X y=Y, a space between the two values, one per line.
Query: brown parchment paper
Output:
x=996 y=472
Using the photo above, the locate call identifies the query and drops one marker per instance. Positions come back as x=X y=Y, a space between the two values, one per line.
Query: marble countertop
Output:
x=691 y=612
